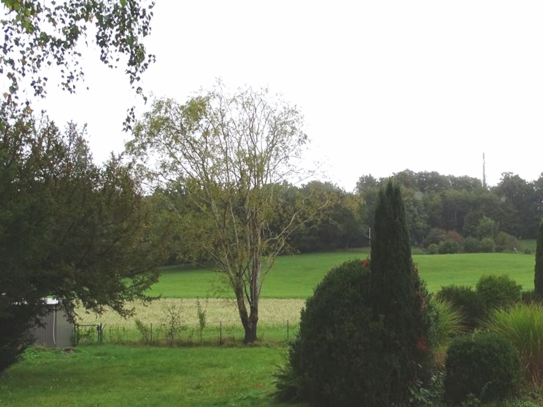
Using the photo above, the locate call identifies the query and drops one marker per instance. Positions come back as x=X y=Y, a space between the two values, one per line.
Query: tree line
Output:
x=456 y=212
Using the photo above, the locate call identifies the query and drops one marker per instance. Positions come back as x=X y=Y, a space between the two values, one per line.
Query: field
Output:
x=209 y=375
x=137 y=376
x=289 y=284
x=296 y=276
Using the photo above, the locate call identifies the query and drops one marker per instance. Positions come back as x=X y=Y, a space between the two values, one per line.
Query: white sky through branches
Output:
x=383 y=85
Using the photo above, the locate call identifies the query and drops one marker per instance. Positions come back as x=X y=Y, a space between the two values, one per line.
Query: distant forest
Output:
x=445 y=213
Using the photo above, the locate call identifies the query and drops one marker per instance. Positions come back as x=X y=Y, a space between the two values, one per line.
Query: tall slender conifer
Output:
x=395 y=296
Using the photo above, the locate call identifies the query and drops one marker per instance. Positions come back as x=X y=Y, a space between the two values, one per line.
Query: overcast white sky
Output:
x=383 y=85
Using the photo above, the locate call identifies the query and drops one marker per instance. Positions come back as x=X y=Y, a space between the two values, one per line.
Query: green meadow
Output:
x=296 y=276
x=143 y=377
x=113 y=375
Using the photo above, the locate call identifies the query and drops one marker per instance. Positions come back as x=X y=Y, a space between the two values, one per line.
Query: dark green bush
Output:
x=334 y=359
x=464 y=299
x=485 y=365
x=498 y=291
x=530 y=297
x=506 y=242
x=15 y=334
x=433 y=249
x=487 y=245
x=449 y=246
x=472 y=245
x=434 y=236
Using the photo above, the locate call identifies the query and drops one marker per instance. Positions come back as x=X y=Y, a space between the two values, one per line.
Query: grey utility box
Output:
x=57 y=330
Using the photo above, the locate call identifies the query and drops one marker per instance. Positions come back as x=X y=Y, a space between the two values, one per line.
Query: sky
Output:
x=384 y=86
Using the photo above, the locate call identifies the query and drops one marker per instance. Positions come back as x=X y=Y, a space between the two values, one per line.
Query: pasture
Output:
x=296 y=276
x=140 y=376
x=289 y=283
x=203 y=375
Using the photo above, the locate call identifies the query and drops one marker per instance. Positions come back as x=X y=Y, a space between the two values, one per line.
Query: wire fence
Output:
x=160 y=334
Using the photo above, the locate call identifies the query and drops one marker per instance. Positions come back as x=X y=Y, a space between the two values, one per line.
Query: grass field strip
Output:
x=276 y=316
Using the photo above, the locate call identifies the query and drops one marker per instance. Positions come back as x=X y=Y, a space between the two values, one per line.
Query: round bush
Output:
x=465 y=300
x=449 y=246
x=433 y=249
x=472 y=245
x=498 y=291
x=487 y=245
x=335 y=360
x=485 y=365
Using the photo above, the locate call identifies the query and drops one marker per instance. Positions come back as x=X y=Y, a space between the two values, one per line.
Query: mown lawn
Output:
x=296 y=276
x=140 y=376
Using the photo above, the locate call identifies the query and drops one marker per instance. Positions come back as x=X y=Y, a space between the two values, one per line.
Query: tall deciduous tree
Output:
x=68 y=229
x=538 y=280
x=230 y=154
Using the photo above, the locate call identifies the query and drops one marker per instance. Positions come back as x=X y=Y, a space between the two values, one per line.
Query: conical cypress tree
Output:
x=395 y=298
x=538 y=279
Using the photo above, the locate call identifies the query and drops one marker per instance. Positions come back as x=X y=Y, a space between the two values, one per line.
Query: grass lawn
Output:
x=296 y=276
x=139 y=376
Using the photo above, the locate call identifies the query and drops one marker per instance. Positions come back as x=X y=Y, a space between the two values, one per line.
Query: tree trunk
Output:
x=249 y=320
x=251 y=326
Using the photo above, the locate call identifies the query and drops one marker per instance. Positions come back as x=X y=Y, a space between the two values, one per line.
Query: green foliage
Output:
x=530 y=297
x=506 y=242
x=465 y=300
x=14 y=333
x=335 y=360
x=172 y=322
x=435 y=236
x=486 y=228
x=433 y=249
x=485 y=365
x=498 y=291
x=231 y=155
x=538 y=275
x=41 y=34
x=202 y=316
x=397 y=299
x=472 y=245
x=487 y=245
x=69 y=229
x=144 y=330
x=448 y=324
x=449 y=246
x=523 y=326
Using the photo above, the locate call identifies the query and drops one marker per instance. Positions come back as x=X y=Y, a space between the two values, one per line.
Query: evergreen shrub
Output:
x=484 y=365
x=333 y=358
x=15 y=334
x=466 y=300
x=498 y=291
x=366 y=338
x=398 y=299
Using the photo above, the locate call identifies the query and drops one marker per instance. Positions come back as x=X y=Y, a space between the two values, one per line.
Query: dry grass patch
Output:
x=273 y=312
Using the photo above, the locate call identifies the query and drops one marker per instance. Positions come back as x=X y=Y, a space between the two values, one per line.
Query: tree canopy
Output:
x=40 y=34
x=229 y=156
x=69 y=229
